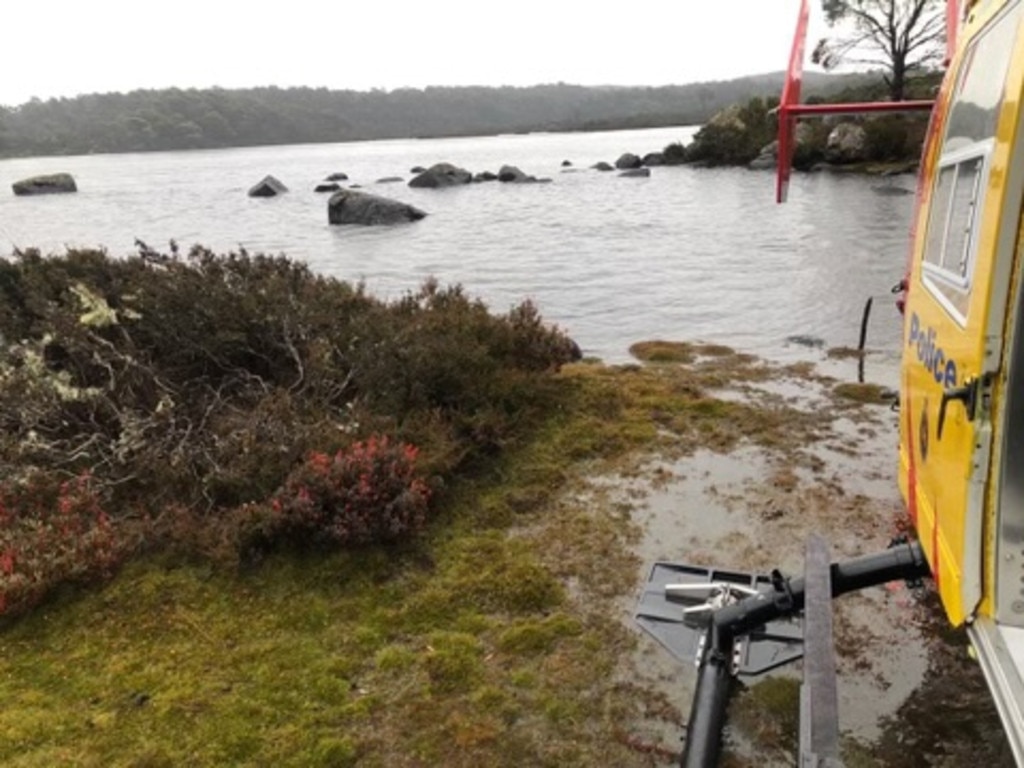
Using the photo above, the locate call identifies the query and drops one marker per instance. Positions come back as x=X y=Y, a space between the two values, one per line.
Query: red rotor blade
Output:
x=790 y=98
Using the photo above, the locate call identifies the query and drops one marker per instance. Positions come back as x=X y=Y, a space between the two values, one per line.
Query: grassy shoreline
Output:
x=500 y=637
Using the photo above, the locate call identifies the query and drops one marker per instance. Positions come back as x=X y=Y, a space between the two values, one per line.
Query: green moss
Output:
x=845 y=353
x=394 y=658
x=531 y=637
x=663 y=351
x=335 y=753
x=869 y=394
x=453 y=661
x=768 y=713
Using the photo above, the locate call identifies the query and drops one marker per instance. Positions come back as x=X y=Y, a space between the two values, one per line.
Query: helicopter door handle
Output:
x=967 y=394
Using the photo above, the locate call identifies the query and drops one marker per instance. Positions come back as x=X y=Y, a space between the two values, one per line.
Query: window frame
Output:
x=934 y=274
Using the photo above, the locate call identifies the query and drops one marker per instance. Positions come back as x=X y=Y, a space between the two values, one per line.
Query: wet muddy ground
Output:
x=909 y=695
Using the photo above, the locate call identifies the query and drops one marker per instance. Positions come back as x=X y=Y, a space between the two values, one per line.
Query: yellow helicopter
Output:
x=961 y=457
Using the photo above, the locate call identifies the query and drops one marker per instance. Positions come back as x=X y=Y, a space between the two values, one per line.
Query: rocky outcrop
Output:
x=54 y=183
x=328 y=186
x=350 y=207
x=268 y=187
x=653 y=159
x=635 y=173
x=847 y=143
x=442 y=175
x=767 y=159
x=485 y=176
x=628 y=160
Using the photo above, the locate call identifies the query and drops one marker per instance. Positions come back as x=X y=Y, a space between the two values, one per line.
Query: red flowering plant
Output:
x=52 y=533
x=364 y=494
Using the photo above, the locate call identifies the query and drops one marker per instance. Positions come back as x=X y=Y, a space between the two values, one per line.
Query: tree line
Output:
x=176 y=119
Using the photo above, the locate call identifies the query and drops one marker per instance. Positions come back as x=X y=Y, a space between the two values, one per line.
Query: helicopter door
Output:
x=1009 y=572
x=956 y=308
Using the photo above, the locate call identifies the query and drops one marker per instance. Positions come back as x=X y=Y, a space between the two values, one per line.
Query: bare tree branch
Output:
x=900 y=35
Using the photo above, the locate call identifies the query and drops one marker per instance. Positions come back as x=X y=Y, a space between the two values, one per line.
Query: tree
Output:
x=900 y=35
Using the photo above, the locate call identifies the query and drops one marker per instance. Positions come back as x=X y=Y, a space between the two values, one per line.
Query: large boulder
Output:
x=268 y=187
x=653 y=159
x=442 y=175
x=53 y=183
x=847 y=143
x=350 y=207
x=628 y=160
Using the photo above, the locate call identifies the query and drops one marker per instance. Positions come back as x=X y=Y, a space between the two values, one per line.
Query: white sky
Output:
x=67 y=47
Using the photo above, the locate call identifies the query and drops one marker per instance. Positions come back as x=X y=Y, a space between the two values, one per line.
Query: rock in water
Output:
x=349 y=207
x=442 y=175
x=628 y=160
x=53 y=183
x=268 y=187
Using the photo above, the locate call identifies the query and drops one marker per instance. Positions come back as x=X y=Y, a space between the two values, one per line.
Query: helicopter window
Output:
x=949 y=254
x=979 y=91
x=961 y=217
x=959 y=187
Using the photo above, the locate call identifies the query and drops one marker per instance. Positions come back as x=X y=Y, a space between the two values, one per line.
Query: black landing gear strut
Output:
x=732 y=623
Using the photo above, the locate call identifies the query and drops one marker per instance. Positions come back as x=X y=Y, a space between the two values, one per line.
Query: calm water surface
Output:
x=685 y=254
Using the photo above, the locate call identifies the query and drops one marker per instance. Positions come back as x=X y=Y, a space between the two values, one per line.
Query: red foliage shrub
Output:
x=365 y=494
x=51 y=534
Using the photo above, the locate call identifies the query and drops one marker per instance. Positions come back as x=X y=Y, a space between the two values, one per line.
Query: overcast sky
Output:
x=69 y=47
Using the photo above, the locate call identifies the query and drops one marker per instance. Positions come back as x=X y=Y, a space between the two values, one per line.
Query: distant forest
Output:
x=174 y=119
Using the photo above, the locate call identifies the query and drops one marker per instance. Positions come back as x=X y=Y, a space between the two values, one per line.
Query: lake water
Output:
x=685 y=254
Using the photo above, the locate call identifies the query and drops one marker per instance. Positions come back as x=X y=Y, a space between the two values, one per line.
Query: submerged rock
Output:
x=54 y=183
x=349 y=207
x=328 y=186
x=602 y=166
x=268 y=187
x=337 y=176
x=635 y=173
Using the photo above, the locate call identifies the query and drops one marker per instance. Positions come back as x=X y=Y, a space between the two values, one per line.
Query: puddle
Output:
x=752 y=509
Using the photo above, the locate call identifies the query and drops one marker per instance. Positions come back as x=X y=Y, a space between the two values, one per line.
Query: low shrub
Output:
x=52 y=534
x=736 y=135
x=201 y=380
x=368 y=493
